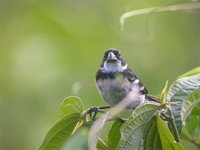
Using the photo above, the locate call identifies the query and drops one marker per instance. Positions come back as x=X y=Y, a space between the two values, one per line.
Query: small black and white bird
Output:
x=115 y=80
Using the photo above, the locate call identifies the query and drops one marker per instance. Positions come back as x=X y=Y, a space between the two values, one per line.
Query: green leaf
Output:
x=193 y=125
x=178 y=93
x=183 y=83
x=158 y=137
x=114 y=134
x=78 y=141
x=166 y=137
x=185 y=134
x=70 y=105
x=133 y=129
x=151 y=136
x=191 y=101
x=60 y=132
x=196 y=110
x=191 y=72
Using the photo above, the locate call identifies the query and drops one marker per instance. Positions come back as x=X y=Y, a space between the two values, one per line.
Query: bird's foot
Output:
x=94 y=110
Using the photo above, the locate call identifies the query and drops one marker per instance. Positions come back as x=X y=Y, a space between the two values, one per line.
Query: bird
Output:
x=114 y=80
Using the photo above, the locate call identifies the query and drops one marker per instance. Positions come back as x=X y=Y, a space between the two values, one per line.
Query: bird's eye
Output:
x=106 y=54
x=117 y=54
x=115 y=51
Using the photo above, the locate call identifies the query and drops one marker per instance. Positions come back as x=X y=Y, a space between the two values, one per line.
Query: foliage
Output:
x=133 y=129
x=151 y=126
x=114 y=134
x=71 y=105
x=157 y=136
x=182 y=93
x=60 y=132
x=51 y=49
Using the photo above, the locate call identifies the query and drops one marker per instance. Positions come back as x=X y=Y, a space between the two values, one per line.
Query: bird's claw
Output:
x=94 y=110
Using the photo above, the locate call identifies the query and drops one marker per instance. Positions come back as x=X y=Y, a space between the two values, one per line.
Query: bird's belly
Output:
x=113 y=91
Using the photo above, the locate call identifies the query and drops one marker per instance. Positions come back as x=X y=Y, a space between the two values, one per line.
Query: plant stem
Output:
x=195 y=142
x=186 y=6
x=172 y=122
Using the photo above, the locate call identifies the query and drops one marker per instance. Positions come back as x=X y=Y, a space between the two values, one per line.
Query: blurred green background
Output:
x=52 y=49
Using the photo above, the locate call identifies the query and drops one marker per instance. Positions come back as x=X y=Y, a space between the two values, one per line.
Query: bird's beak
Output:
x=111 y=56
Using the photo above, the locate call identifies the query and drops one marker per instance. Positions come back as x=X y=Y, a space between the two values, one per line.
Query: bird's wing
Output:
x=128 y=73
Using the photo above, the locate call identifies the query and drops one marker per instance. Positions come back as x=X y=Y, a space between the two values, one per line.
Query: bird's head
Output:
x=113 y=61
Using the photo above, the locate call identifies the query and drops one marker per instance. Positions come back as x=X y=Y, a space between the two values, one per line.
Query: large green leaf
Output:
x=158 y=137
x=71 y=104
x=193 y=125
x=78 y=141
x=179 y=92
x=114 y=134
x=151 y=136
x=196 y=110
x=60 y=132
x=183 y=83
x=166 y=138
x=133 y=129
x=191 y=101
x=191 y=72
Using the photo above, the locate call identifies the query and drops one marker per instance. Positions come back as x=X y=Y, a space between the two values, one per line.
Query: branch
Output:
x=107 y=116
x=187 y=6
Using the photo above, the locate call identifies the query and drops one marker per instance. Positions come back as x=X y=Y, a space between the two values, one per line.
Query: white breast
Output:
x=115 y=90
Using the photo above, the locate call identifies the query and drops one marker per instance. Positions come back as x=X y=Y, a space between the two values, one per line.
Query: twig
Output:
x=186 y=6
